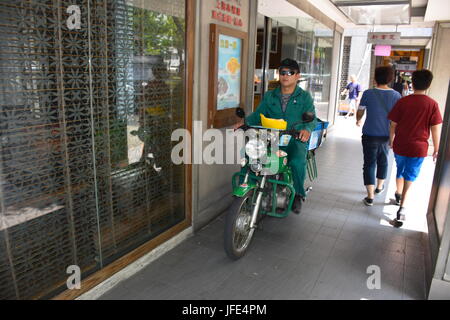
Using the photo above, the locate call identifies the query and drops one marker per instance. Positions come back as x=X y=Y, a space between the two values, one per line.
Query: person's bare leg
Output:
x=406 y=188
x=370 y=191
x=399 y=182
x=380 y=183
x=352 y=111
x=351 y=108
x=368 y=201
x=401 y=211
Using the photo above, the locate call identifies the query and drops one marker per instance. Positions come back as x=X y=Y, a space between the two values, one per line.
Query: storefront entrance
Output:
x=404 y=61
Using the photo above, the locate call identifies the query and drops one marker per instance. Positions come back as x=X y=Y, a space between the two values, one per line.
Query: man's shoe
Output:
x=377 y=191
x=401 y=214
x=297 y=205
x=368 y=202
x=398 y=198
x=398 y=221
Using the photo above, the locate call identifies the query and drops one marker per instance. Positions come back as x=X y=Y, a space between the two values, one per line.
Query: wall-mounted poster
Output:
x=227 y=75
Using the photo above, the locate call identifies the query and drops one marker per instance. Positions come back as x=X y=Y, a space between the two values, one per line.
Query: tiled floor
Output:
x=324 y=253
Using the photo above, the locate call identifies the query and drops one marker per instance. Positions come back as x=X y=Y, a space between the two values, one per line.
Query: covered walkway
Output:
x=323 y=253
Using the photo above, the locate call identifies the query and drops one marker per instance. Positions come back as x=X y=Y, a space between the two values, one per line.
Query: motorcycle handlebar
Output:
x=244 y=127
x=294 y=133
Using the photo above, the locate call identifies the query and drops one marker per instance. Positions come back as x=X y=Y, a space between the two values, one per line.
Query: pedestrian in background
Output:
x=406 y=89
x=398 y=85
x=378 y=102
x=412 y=119
x=353 y=89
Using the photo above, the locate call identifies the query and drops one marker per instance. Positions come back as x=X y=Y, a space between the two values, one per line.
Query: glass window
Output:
x=259 y=63
x=320 y=70
x=310 y=43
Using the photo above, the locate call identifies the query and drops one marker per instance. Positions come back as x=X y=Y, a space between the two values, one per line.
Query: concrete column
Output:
x=338 y=42
x=212 y=183
x=360 y=60
x=440 y=64
x=438 y=254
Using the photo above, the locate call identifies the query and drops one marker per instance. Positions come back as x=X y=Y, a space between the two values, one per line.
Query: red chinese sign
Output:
x=383 y=37
x=228 y=11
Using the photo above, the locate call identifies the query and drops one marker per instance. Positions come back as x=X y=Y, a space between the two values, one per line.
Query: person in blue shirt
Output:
x=354 y=95
x=378 y=102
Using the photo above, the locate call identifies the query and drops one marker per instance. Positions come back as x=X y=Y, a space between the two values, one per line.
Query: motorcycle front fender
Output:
x=242 y=189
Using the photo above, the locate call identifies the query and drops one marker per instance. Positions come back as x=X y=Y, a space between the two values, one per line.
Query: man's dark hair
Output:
x=384 y=75
x=289 y=64
x=421 y=79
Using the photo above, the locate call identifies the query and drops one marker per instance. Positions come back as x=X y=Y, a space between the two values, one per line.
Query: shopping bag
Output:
x=344 y=106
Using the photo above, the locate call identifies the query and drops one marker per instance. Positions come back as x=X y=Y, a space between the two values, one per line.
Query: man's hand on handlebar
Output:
x=238 y=124
x=304 y=135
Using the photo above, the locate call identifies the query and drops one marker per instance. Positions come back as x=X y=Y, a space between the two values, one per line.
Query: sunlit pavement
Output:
x=329 y=251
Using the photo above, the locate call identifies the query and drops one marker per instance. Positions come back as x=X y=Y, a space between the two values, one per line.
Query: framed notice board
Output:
x=227 y=75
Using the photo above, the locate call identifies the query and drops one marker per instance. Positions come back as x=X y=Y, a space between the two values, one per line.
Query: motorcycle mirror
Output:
x=308 y=117
x=240 y=112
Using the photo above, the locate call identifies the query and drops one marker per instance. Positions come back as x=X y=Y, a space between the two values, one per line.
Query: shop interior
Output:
x=404 y=60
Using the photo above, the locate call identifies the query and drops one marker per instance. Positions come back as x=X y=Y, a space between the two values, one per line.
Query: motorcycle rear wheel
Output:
x=237 y=233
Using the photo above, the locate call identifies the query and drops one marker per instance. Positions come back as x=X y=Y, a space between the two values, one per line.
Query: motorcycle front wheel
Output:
x=237 y=233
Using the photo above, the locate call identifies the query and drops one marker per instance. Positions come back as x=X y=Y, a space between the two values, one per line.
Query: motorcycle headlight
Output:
x=255 y=149
x=256 y=167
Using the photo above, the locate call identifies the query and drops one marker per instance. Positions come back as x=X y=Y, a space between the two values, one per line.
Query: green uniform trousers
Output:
x=297 y=152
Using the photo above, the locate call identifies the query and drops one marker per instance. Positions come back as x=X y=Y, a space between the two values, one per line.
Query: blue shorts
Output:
x=408 y=167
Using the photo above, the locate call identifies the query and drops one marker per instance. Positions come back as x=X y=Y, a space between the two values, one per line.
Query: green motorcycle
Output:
x=264 y=187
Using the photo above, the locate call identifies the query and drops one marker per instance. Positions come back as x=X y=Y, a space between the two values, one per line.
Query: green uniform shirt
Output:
x=299 y=102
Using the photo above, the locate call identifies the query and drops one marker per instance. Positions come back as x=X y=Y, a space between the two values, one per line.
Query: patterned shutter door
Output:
x=81 y=109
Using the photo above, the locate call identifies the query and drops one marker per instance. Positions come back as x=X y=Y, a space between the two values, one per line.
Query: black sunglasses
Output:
x=287 y=72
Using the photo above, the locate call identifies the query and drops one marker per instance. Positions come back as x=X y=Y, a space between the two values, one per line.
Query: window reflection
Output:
x=307 y=41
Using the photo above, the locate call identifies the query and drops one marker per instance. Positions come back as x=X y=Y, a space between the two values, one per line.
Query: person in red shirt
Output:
x=412 y=119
